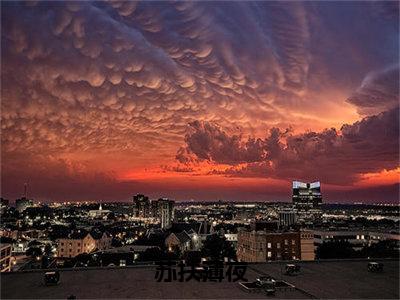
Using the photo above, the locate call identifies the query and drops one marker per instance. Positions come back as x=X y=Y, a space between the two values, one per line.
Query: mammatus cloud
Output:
x=112 y=85
x=378 y=92
x=337 y=157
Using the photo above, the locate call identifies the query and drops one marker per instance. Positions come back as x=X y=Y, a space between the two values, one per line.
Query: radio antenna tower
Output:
x=26 y=190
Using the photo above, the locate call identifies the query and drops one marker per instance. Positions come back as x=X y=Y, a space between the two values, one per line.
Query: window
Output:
x=293 y=242
x=278 y=245
x=79 y=244
x=62 y=249
x=286 y=242
x=269 y=245
x=70 y=250
x=269 y=254
x=62 y=244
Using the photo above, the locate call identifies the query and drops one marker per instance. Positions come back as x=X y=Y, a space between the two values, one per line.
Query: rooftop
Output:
x=324 y=279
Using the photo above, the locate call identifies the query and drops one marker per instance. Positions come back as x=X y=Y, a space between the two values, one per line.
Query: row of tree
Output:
x=343 y=249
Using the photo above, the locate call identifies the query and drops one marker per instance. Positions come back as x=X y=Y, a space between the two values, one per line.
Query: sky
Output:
x=199 y=100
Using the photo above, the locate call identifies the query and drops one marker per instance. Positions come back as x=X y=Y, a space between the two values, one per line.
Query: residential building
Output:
x=141 y=206
x=307 y=251
x=102 y=240
x=261 y=246
x=75 y=244
x=163 y=209
x=181 y=241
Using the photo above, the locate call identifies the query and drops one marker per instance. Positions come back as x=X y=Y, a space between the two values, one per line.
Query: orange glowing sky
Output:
x=200 y=100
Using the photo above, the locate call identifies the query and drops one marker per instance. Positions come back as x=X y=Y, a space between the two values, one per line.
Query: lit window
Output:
x=278 y=245
x=293 y=242
x=269 y=245
x=286 y=242
x=269 y=254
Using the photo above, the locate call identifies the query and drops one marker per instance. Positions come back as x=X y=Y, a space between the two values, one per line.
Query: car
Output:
x=51 y=278
x=375 y=267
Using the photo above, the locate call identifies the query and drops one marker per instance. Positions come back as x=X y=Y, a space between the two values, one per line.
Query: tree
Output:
x=7 y=240
x=115 y=242
x=152 y=254
x=216 y=247
x=382 y=249
x=336 y=249
x=34 y=252
x=48 y=250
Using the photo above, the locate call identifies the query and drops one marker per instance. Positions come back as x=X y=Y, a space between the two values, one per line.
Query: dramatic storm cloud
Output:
x=368 y=146
x=104 y=99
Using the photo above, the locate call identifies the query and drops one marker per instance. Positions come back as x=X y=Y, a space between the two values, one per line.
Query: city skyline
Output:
x=200 y=100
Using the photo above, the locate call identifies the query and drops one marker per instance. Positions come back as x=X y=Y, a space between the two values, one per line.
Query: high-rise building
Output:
x=287 y=217
x=141 y=206
x=165 y=212
x=22 y=204
x=3 y=204
x=306 y=195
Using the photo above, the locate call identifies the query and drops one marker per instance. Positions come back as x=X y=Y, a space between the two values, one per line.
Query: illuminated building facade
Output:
x=141 y=206
x=262 y=246
x=164 y=210
x=306 y=195
x=5 y=258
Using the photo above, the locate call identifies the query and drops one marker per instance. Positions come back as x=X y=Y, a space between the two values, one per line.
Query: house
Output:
x=181 y=241
x=102 y=240
x=197 y=231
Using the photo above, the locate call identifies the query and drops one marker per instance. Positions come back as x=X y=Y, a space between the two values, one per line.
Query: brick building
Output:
x=261 y=246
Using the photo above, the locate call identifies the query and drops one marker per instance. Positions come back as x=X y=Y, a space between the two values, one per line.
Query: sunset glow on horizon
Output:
x=200 y=100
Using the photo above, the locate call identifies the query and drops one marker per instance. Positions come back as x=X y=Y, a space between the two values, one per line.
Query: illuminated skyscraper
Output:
x=141 y=206
x=306 y=195
x=165 y=212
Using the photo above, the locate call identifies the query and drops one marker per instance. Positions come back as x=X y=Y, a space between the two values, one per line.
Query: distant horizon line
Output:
x=208 y=202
